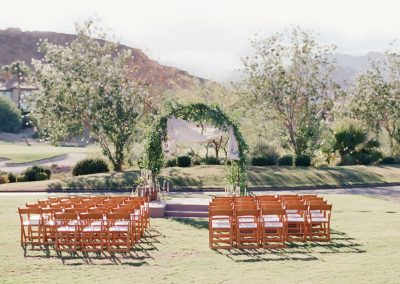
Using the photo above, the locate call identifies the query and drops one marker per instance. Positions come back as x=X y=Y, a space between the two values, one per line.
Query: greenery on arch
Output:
x=203 y=114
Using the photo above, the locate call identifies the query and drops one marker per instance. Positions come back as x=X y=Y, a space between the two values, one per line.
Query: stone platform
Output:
x=180 y=207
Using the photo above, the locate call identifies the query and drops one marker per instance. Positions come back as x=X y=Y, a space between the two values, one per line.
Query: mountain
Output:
x=18 y=45
x=349 y=66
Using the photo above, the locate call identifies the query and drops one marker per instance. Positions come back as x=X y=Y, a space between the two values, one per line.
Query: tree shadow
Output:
x=302 y=176
x=340 y=243
x=198 y=223
x=120 y=181
x=137 y=256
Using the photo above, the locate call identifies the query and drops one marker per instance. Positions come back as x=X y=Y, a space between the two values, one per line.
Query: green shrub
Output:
x=3 y=178
x=302 y=161
x=90 y=166
x=348 y=137
x=346 y=160
x=388 y=161
x=170 y=163
x=41 y=176
x=263 y=161
x=264 y=155
x=22 y=178
x=31 y=172
x=183 y=161
x=286 y=160
x=196 y=162
x=211 y=161
x=366 y=157
x=12 y=178
x=10 y=116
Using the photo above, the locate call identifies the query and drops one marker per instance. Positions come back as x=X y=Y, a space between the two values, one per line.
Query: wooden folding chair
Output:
x=32 y=205
x=93 y=235
x=49 y=225
x=119 y=232
x=221 y=229
x=247 y=228
x=31 y=227
x=296 y=219
x=67 y=232
x=318 y=222
x=273 y=227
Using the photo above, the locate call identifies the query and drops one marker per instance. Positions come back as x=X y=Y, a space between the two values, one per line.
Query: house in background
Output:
x=10 y=89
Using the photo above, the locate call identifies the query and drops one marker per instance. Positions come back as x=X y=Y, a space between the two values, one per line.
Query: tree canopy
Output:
x=88 y=84
x=288 y=79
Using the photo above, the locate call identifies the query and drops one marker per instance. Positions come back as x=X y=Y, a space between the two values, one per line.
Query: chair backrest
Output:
x=29 y=212
x=32 y=205
x=308 y=202
x=273 y=211
x=75 y=210
x=322 y=207
x=298 y=207
x=266 y=206
x=64 y=218
x=220 y=213
x=116 y=216
x=267 y=197
x=88 y=218
x=247 y=212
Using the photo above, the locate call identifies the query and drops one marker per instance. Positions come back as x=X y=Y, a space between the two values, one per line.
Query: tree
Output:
x=375 y=98
x=288 y=79
x=18 y=69
x=88 y=85
x=10 y=116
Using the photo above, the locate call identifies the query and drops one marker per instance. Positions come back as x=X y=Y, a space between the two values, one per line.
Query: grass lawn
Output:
x=214 y=177
x=21 y=153
x=365 y=248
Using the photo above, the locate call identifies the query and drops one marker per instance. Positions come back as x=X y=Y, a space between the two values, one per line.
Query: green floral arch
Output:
x=153 y=158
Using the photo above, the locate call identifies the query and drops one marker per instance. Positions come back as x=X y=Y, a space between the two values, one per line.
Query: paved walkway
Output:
x=388 y=192
x=62 y=160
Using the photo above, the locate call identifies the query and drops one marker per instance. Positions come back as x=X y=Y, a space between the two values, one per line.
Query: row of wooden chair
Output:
x=267 y=221
x=70 y=224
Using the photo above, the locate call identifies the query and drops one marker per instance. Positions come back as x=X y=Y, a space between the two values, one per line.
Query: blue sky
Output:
x=207 y=37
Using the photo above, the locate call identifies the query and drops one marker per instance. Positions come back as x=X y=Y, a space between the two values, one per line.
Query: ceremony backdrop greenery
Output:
x=200 y=113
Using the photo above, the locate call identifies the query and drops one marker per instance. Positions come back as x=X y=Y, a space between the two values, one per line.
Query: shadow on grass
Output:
x=340 y=243
x=193 y=222
x=304 y=176
x=123 y=180
x=179 y=178
x=137 y=256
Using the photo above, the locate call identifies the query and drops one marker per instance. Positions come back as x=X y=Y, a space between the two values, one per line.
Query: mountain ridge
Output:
x=16 y=44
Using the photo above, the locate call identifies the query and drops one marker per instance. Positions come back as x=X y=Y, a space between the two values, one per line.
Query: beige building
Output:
x=10 y=89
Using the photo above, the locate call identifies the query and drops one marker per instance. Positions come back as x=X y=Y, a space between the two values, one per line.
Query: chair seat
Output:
x=34 y=217
x=122 y=223
x=221 y=217
x=220 y=224
x=293 y=218
x=92 y=229
x=52 y=223
x=271 y=218
x=98 y=223
x=268 y=224
x=318 y=220
x=118 y=229
x=67 y=229
x=317 y=214
x=248 y=225
x=31 y=222
x=246 y=219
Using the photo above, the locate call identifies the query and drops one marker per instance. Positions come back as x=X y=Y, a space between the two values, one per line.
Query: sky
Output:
x=208 y=37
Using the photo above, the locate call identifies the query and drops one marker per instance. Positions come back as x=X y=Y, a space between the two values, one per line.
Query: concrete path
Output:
x=68 y=160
